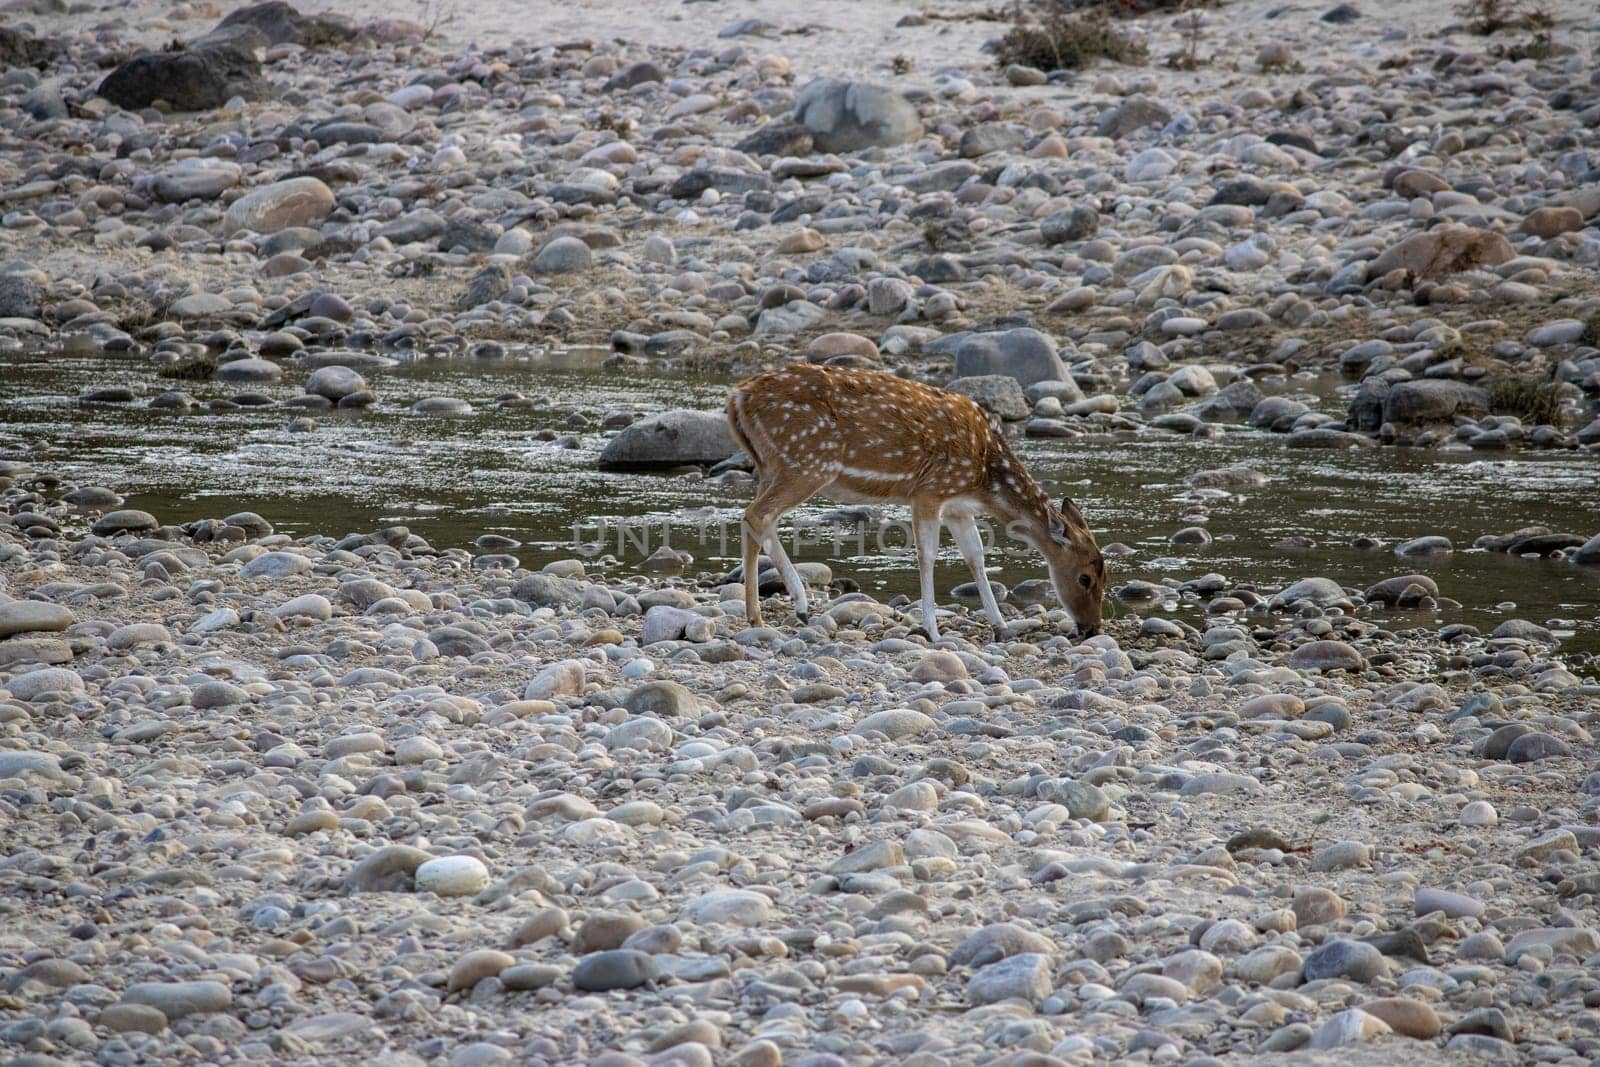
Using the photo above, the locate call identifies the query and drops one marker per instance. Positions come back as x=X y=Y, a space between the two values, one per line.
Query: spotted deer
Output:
x=859 y=436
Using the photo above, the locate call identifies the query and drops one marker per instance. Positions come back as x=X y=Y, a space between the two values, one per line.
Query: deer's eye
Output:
x=1085 y=581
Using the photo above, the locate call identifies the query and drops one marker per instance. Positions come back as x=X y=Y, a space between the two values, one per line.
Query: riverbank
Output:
x=225 y=793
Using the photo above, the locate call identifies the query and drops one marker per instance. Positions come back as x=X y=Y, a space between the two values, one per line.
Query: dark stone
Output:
x=1292 y=139
x=778 y=139
x=635 y=74
x=281 y=23
x=1342 y=958
x=1236 y=400
x=790 y=210
x=1341 y=14
x=470 y=234
x=1366 y=409
x=1245 y=192
x=1488 y=1021
x=490 y=283
x=197 y=79
x=328 y=133
x=938 y=270
x=1402 y=944
x=1135 y=113
x=1532 y=747
x=620 y=968
x=1543 y=544
x=1434 y=400
x=1498 y=744
x=1077 y=223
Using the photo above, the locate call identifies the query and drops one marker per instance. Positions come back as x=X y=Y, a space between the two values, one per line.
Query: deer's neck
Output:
x=1013 y=496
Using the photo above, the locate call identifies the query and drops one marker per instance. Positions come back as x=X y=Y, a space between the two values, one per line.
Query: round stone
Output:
x=452 y=876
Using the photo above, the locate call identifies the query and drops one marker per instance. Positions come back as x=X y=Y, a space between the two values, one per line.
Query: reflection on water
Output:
x=528 y=472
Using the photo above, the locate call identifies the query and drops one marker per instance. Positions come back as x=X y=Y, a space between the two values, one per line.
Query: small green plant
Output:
x=1054 y=41
x=1536 y=401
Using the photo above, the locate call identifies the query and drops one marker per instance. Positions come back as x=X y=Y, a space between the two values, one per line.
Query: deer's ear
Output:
x=1072 y=512
x=1058 y=531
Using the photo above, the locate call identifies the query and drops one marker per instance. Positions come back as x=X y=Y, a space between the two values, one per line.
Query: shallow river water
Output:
x=453 y=479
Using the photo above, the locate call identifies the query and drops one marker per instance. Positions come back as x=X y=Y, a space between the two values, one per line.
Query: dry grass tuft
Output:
x=1054 y=41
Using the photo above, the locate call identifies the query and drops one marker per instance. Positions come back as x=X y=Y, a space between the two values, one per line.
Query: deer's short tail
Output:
x=741 y=435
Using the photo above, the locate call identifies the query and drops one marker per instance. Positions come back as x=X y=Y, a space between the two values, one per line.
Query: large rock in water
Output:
x=850 y=116
x=1433 y=400
x=1443 y=251
x=206 y=75
x=291 y=202
x=1026 y=355
x=670 y=439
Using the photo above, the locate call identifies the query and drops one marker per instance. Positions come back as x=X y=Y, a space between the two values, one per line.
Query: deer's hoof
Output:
x=804 y=617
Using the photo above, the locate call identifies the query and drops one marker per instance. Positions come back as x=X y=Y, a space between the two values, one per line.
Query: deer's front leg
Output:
x=925 y=528
x=791 y=577
x=964 y=529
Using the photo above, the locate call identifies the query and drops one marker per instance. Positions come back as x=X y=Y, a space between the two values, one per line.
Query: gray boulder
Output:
x=850 y=116
x=1236 y=400
x=206 y=75
x=1134 y=113
x=1077 y=223
x=281 y=23
x=20 y=295
x=1434 y=400
x=1024 y=354
x=998 y=394
x=564 y=255
x=670 y=439
x=1366 y=408
x=334 y=382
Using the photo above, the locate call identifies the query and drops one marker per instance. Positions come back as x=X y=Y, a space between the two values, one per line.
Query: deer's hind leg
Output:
x=760 y=528
x=925 y=529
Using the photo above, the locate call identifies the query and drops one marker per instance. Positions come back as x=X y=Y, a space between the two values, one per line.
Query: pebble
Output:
x=452 y=876
x=614 y=969
x=1342 y=958
x=175 y=1000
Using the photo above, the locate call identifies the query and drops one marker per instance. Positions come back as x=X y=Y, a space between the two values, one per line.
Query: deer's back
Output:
x=882 y=431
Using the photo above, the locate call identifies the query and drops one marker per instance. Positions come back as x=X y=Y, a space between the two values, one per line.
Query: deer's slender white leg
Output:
x=964 y=529
x=750 y=540
x=791 y=577
x=761 y=527
x=925 y=528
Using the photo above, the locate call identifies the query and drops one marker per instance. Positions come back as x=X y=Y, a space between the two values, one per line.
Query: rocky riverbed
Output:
x=296 y=800
x=306 y=795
